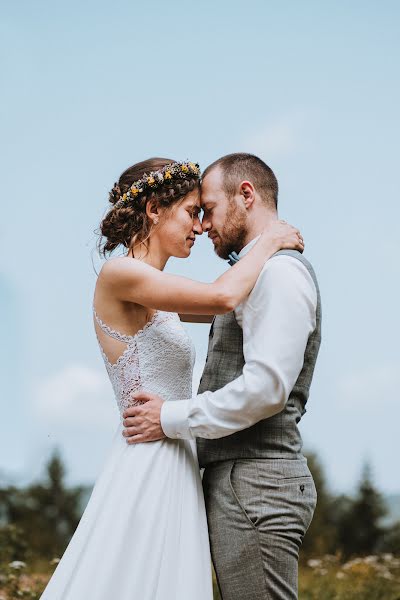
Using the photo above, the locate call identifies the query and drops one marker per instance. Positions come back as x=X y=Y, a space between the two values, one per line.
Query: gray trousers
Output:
x=258 y=511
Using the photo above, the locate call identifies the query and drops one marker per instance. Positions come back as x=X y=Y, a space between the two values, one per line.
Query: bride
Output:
x=143 y=535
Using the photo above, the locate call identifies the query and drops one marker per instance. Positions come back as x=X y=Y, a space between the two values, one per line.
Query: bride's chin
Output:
x=184 y=254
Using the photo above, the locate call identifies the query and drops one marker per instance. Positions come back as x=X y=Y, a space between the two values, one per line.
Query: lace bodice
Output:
x=158 y=359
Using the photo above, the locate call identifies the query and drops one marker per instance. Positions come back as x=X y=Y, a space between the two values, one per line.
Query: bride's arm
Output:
x=131 y=280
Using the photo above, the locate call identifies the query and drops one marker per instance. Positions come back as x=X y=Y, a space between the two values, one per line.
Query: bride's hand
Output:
x=284 y=236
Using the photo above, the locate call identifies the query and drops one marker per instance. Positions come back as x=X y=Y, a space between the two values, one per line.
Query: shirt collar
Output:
x=248 y=246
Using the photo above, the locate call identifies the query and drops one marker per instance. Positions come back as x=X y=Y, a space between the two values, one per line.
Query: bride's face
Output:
x=179 y=226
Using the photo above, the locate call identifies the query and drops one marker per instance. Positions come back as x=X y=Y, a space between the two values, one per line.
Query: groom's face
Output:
x=225 y=218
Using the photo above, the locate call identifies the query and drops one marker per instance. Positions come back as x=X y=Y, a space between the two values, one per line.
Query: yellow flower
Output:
x=151 y=180
x=167 y=175
x=124 y=197
x=184 y=168
x=134 y=191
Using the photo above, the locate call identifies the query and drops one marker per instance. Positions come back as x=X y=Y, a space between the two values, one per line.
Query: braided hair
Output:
x=126 y=224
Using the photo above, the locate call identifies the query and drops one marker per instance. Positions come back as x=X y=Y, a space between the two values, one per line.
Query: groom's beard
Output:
x=234 y=231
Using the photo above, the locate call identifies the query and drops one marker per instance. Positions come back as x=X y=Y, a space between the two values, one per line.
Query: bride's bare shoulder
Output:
x=121 y=267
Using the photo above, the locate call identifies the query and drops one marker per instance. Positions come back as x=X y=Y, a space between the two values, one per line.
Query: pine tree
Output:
x=47 y=512
x=360 y=530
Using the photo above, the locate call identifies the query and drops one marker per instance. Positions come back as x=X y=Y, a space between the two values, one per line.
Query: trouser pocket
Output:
x=274 y=495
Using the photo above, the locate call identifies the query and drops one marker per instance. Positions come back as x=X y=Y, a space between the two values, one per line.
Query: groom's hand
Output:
x=142 y=423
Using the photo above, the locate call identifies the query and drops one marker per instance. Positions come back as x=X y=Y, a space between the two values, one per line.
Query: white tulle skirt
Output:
x=143 y=535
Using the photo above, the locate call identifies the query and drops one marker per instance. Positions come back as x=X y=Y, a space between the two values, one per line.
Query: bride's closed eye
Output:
x=195 y=213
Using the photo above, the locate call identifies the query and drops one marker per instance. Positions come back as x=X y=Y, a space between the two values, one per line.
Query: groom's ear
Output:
x=247 y=192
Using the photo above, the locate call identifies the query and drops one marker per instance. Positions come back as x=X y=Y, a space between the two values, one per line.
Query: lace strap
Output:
x=121 y=337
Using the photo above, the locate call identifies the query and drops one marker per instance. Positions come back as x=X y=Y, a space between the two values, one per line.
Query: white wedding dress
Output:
x=143 y=535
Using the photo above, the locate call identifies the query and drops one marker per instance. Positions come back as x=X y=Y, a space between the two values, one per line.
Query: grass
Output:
x=368 y=578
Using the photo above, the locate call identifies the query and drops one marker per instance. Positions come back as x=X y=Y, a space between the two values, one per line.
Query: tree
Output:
x=359 y=525
x=320 y=537
x=48 y=512
x=391 y=539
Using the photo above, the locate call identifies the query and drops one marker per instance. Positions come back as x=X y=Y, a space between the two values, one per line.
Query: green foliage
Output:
x=13 y=545
x=390 y=541
x=359 y=529
x=38 y=521
x=47 y=512
x=320 y=537
x=348 y=526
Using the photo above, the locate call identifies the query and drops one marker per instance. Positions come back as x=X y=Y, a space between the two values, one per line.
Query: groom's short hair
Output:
x=240 y=166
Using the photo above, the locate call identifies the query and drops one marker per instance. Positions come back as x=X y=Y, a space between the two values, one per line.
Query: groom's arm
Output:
x=277 y=320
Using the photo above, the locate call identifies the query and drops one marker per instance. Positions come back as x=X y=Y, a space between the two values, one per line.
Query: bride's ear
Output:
x=153 y=212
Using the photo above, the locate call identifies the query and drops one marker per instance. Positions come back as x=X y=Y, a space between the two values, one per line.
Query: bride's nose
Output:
x=197 y=228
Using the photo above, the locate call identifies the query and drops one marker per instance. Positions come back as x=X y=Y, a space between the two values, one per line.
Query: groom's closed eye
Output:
x=195 y=210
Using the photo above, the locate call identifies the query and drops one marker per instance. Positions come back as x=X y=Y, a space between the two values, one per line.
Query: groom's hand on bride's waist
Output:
x=142 y=422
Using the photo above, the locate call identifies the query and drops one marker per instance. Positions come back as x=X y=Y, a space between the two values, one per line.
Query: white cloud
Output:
x=76 y=396
x=357 y=420
x=73 y=410
x=280 y=137
x=371 y=388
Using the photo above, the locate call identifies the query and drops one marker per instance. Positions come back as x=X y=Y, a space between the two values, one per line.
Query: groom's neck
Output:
x=257 y=225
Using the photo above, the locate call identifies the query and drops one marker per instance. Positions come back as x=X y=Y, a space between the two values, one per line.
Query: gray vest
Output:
x=277 y=436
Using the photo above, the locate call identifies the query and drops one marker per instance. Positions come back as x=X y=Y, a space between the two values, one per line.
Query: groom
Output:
x=259 y=493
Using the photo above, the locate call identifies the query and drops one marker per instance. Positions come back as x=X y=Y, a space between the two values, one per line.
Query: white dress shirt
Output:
x=277 y=319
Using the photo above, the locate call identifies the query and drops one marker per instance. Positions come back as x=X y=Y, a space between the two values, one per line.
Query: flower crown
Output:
x=155 y=179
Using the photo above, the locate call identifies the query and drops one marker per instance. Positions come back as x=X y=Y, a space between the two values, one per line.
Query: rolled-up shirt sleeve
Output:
x=277 y=319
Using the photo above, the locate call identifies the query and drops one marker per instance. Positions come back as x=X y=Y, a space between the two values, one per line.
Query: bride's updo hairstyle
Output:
x=126 y=221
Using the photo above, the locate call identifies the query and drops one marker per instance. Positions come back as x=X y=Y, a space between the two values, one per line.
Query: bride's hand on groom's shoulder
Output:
x=284 y=235
x=142 y=422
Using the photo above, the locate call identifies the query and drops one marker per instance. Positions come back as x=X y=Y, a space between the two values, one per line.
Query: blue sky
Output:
x=88 y=89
